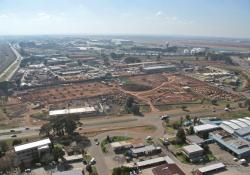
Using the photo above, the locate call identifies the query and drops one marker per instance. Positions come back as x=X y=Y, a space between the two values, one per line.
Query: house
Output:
x=193 y=152
x=28 y=152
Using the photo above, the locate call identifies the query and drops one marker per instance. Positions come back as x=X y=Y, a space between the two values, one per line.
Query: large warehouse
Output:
x=235 y=137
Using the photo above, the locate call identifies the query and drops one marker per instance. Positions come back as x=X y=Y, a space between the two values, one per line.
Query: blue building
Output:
x=235 y=137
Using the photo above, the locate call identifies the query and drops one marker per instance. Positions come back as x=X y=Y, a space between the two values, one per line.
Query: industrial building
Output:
x=193 y=152
x=235 y=137
x=28 y=152
x=73 y=111
x=210 y=169
x=146 y=150
x=205 y=128
x=159 y=68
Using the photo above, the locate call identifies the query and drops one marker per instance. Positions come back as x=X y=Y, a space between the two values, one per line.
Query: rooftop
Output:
x=211 y=167
x=72 y=111
x=144 y=149
x=205 y=127
x=167 y=169
x=36 y=144
x=192 y=148
x=194 y=139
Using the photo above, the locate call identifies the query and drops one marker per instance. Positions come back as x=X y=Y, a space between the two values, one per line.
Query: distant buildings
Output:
x=158 y=69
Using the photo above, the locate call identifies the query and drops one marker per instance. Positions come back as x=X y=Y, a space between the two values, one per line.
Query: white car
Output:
x=148 y=138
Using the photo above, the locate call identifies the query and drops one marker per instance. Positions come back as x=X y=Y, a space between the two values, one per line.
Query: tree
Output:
x=89 y=168
x=195 y=121
x=214 y=102
x=191 y=130
x=206 y=148
x=228 y=105
x=6 y=162
x=46 y=158
x=121 y=171
x=135 y=109
x=45 y=129
x=58 y=152
x=180 y=136
x=59 y=126
x=16 y=142
x=188 y=117
x=3 y=148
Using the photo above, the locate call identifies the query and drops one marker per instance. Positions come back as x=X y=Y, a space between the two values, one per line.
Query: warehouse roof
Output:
x=144 y=149
x=243 y=131
x=205 y=127
x=72 y=111
x=32 y=145
x=211 y=167
x=192 y=148
x=194 y=139
x=151 y=161
x=239 y=123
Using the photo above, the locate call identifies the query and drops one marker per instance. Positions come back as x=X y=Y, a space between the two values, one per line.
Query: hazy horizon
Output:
x=223 y=18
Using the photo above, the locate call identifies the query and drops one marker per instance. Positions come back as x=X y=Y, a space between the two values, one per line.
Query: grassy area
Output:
x=144 y=108
x=234 y=114
x=105 y=142
x=182 y=158
x=170 y=130
x=150 y=128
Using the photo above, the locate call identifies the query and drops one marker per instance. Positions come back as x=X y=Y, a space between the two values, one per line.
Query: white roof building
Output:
x=212 y=167
x=205 y=127
x=38 y=144
x=72 y=111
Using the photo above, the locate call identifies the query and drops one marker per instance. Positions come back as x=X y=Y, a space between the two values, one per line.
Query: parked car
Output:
x=92 y=161
x=148 y=138
x=164 y=117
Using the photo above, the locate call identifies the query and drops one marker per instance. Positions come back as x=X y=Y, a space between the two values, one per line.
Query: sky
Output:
x=218 y=18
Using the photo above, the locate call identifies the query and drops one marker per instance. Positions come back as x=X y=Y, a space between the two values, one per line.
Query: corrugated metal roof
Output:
x=231 y=124
x=205 y=127
x=245 y=121
x=144 y=149
x=151 y=161
x=212 y=167
x=239 y=123
x=192 y=148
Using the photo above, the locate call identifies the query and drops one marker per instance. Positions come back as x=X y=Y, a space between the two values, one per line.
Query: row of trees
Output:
x=59 y=126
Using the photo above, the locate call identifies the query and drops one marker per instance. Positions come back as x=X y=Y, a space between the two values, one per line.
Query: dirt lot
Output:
x=67 y=92
x=169 y=88
x=164 y=89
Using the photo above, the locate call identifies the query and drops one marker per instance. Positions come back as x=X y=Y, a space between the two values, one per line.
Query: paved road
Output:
x=13 y=67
